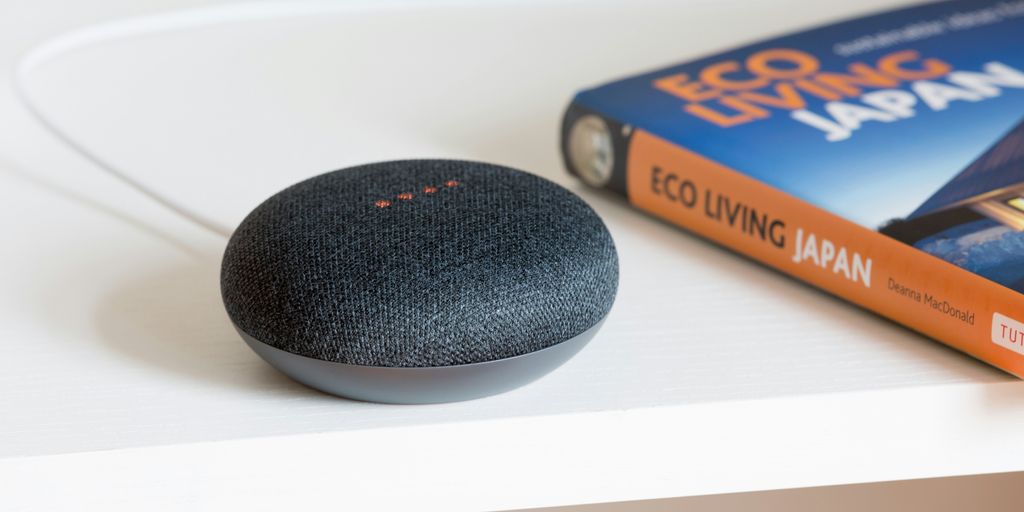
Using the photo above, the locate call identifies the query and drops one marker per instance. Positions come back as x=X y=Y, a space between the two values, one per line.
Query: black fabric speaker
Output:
x=419 y=281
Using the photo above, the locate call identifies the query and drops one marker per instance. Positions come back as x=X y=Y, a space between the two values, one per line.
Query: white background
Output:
x=123 y=383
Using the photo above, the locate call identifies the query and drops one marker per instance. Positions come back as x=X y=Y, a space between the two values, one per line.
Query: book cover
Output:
x=880 y=159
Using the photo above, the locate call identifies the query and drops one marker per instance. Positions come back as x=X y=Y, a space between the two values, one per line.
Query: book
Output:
x=880 y=159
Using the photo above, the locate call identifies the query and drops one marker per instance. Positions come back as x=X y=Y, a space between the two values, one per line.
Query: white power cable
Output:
x=185 y=19
x=22 y=91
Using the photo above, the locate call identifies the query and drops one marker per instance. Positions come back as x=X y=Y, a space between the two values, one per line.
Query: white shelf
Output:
x=124 y=384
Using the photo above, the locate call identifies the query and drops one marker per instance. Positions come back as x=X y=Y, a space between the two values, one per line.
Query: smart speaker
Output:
x=419 y=281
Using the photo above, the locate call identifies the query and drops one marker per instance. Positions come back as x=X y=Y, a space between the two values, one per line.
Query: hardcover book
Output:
x=880 y=159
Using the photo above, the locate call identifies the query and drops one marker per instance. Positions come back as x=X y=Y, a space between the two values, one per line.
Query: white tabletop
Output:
x=123 y=382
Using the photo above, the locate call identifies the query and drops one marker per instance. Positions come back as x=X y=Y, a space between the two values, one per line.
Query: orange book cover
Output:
x=880 y=159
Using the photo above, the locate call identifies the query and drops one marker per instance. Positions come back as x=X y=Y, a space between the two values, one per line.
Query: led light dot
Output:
x=408 y=196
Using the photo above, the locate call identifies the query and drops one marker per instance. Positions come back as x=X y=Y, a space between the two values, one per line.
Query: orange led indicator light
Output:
x=408 y=196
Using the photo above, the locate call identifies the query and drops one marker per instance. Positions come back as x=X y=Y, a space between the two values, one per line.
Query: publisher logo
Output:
x=1008 y=333
x=591 y=151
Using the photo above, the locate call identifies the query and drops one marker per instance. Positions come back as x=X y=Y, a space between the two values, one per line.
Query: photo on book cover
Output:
x=976 y=220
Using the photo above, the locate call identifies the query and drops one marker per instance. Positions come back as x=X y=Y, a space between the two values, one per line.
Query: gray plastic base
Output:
x=397 y=385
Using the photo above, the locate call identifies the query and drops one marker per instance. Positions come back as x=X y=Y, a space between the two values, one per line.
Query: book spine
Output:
x=886 y=276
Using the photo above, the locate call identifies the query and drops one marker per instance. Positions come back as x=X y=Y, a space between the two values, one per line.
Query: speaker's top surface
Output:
x=419 y=263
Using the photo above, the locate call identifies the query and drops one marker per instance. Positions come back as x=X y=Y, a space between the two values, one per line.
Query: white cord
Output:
x=83 y=37
x=111 y=169
x=189 y=18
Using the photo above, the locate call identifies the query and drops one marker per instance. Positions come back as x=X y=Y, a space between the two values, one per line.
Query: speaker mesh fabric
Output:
x=481 y=263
